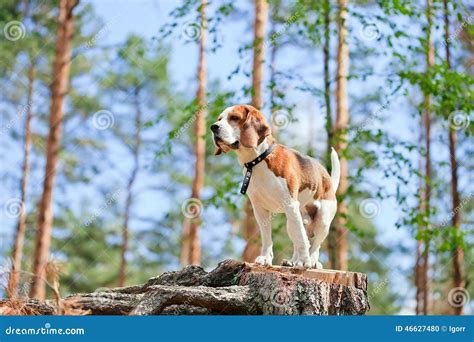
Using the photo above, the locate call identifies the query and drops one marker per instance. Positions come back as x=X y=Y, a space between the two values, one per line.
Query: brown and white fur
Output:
x=285 y=182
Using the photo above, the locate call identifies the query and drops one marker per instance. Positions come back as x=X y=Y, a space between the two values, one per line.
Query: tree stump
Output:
x=232 y=288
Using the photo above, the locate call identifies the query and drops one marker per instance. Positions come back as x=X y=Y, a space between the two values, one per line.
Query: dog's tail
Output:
x=335 y=169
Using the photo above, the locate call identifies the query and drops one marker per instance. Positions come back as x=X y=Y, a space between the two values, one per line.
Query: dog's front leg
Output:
x=297 y=234
x=264 y=222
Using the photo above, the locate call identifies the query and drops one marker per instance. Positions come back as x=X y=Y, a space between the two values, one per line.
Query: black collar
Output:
x=251 y=164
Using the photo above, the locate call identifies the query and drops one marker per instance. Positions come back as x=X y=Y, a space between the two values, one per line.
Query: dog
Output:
x=280 y=180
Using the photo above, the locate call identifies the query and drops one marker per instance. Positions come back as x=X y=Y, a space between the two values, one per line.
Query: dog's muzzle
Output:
x=219 y=141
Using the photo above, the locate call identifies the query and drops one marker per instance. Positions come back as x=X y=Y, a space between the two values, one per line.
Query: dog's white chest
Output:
x=267 y=190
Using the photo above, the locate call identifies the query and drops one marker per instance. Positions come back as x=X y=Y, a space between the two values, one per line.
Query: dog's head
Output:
x=238 y=126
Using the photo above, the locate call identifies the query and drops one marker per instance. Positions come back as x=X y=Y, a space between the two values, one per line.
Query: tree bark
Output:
x=59 y=88
x=327 y=81
x=130 y=184
x=250 y=228
x=261 y=14
x=273 y=54
x=458 y=252
x=331 y=241
x=418 y=280
x=342 y=121
x=185 y=243
x=17 y=252
x=419 y=263
x=233 y=288
x=426 y=189
x=200 y=147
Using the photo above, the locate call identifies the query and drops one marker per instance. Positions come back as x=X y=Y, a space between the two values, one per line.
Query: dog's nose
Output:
x=214 y=128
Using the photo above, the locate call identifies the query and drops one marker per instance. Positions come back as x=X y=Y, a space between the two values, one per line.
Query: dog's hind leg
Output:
x=320 y=227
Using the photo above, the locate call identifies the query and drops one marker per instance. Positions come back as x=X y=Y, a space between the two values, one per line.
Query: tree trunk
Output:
x=342 y=121
x=131 y=182
x=419 y=243
x=458 y=252
x=185 y=243
x=418 y=281
x=426 y=190
x=200 y=147
x=273 y=54
x=327 y=82
x=261 y=13
x=233 y=288
x=250 y=228
x=17 y=252
x=59 y=87
x=331 y=241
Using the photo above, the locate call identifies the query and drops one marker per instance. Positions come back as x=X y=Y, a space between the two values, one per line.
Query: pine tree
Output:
x=59 y=87
x=17 y=252
x=457 y=250
x=250 y=228
x=191 y=241
x=341 y=125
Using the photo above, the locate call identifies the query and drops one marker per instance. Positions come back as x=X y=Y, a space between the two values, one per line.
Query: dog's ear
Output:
x=254 y=130
x=217 y=151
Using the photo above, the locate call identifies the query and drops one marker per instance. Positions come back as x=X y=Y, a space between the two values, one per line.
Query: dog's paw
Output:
x=263 y=260
x=318 y=265
x=315 y=262
x=302 y=263
x=287 y=263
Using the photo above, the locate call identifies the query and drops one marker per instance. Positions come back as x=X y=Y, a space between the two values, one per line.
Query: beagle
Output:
x=280 y=180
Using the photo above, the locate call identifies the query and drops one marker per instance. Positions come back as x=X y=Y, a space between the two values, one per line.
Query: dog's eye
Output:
x=234 y=118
